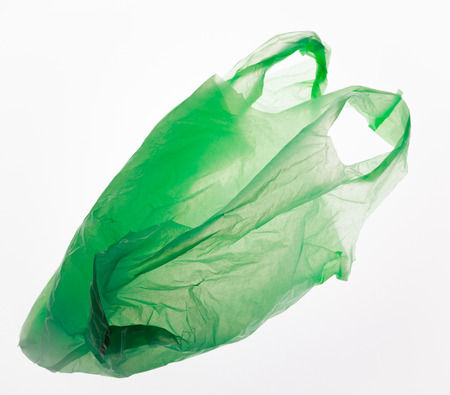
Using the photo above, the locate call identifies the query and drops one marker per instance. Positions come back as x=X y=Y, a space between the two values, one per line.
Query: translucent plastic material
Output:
x=230 y=211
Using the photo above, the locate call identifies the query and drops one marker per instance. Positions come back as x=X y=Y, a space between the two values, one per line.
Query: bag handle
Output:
x=247 y=76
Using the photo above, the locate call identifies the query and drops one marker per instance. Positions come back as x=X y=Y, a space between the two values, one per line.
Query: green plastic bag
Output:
x=231 y=210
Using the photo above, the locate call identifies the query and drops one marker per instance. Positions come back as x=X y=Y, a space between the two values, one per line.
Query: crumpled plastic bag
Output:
x=232 y=209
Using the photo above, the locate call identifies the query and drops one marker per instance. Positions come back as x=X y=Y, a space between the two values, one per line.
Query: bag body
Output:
x=229 y=212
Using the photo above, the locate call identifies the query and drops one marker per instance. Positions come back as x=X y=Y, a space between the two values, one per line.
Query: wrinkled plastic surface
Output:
x=230 y=211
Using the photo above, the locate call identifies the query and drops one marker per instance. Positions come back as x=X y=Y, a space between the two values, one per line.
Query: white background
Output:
x=81 y=85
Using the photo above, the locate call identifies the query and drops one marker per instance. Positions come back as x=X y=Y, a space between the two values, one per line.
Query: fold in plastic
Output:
x=230 y=211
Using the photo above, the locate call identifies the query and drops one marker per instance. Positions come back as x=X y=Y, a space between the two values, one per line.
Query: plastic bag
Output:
x=230 y=211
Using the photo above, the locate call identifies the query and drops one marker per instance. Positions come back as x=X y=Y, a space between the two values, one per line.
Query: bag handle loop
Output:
x=247 y=76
